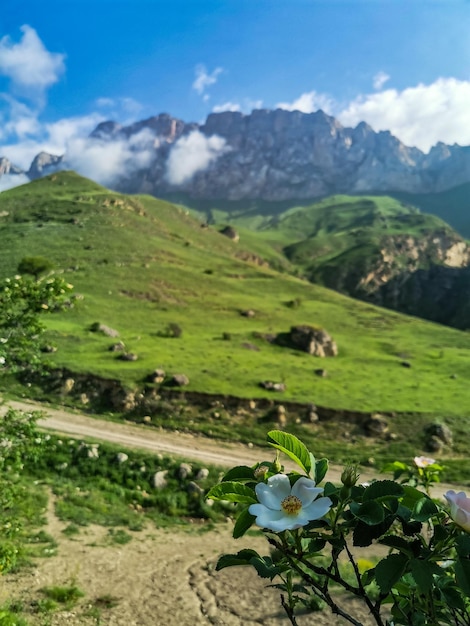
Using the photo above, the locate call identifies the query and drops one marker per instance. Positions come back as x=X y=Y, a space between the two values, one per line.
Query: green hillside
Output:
x=142 y=264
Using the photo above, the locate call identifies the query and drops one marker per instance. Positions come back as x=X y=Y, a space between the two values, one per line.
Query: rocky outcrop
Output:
x=43 y=164
x=271 y=155
x=311 y=339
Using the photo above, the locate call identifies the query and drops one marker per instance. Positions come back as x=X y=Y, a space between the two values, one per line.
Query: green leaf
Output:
x=424 y=509
x=382 y=489
x=389 y=571
x=462 y=574
x=399 y=543
x=240 y=473
x=363 y=534
x=370 y=512
x=233 y=492
x=423 y=574
x=411 y=496
x=463 y=545
x=265 y=567
x=321 y=468
x=241 y=558
x=244 y=521
x=292 y=447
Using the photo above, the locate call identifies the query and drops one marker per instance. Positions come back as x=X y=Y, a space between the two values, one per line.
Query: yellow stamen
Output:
x=291 y=505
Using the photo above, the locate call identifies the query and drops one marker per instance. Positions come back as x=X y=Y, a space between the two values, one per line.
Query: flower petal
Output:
x=265 y=518
x=306 y=491
x=317 y=509
x=272 y=493
x=286 y=522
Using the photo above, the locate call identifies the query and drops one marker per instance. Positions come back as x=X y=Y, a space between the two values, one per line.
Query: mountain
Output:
x=143 y=267
x=269 y=155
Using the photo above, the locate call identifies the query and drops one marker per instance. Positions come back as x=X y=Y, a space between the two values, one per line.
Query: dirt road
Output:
x=173 y=443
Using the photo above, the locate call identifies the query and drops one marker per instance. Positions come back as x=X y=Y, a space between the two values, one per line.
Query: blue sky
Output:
x=65 y=65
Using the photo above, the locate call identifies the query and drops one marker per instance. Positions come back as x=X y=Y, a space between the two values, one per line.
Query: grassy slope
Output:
x=142 y=265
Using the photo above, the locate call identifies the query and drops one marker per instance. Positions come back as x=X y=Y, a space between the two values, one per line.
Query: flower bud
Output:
x=261 y=472
x=349 y=476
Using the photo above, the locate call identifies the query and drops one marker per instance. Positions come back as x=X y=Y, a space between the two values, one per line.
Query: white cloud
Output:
x=227 y=106
x=117 y=105
x=420 y=116
x=380 y=79
x=8 y=181
x=28 y=64
x=193 y=153
x=203 y=79
x=104 y=161
x=308 y=103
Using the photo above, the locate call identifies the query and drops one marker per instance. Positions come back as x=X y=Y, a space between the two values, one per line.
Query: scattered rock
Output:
x=68 y=385
x=248 y=313
x=117 y=347
x=441 y=431
x=231 y=233
x=314 y=341
x=84 y=399
x=202 y=474
x=321 y=373
x=128 y=356
x=184 y=470
x=179 y=380
x=157 y=376
x=405 y=364
x=97 y=327
x=252 y=405
x=376 y=425
x=48 y=349
x=434 y=444
x=272 y=386
x=194 y=489
x=147 y=419
x=121 y=457
x=159 y=479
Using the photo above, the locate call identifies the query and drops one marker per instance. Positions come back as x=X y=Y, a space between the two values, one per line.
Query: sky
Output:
x=66 y=65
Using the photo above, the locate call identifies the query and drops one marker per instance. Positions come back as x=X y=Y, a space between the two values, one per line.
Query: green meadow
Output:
x=140 y=264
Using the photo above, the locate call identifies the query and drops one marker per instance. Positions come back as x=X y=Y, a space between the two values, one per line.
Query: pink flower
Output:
x=423 y=461
x=459 y=508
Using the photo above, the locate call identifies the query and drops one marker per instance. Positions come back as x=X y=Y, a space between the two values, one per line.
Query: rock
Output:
x=48 y=349
x=117 y=347
x=247 y=313
x=68 y=385
x=202 y=474
x=441 y=431
x=272 y=386
x=252 y=405
x=282 y=420
x=321 y=373
x=84 y=399
x=312 y=417
x=194 y=489
x=231 y=233
x=184 y=470
x=97 y=327
x=159 y=479
x=179 y=380
x=376 y=425
x=314 y=341
x=434 y=444
x=128 y=356
x=121 y=457
x=147 y=419
x=405 y=364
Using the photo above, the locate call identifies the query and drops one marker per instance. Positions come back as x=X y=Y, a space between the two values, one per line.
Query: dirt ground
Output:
x=160 y=578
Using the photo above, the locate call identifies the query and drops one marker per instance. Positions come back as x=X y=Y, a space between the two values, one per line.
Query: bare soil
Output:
x=161 y=578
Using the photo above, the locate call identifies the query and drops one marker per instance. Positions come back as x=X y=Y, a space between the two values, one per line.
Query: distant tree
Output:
x=34 y=265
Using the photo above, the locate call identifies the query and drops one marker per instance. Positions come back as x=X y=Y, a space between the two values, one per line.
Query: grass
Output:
x=144 y=265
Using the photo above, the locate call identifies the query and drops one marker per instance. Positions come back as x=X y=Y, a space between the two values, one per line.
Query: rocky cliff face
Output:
x=270 y=155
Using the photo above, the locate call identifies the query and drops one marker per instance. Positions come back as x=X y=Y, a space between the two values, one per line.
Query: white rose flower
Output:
x=282 y=507
x=459 y=508
x=423 y=461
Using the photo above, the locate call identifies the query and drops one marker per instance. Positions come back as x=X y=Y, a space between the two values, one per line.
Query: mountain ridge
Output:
x=268 y=154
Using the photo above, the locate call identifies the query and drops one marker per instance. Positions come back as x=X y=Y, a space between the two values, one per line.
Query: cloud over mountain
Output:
x=192 y=153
